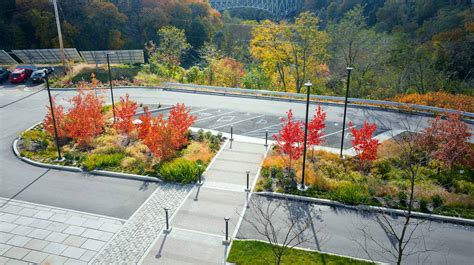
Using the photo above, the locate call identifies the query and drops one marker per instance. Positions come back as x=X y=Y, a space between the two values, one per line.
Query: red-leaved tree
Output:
x=59 y=117
x=180 y=121
x=85 y=119
x=448 y=140
x=125 y=111
x=315 y=129
x=290 y=138
x=165 y=137
x=364 y=145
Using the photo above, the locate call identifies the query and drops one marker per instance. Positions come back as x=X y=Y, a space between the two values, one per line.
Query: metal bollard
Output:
x=231 y=136
x=168 y=229
x=226 y=241
x=247 y=190
x=200 y=174
x=266 y=138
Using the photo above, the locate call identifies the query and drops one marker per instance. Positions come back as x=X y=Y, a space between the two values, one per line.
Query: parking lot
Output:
x=255 y=125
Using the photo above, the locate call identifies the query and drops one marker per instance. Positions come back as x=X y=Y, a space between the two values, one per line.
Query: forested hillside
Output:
x=394 y=46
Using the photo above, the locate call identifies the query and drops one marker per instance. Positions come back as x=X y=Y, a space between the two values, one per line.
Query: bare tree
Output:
x=281 y=232
x=402 y=229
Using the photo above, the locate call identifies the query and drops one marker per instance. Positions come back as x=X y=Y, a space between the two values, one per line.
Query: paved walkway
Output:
x=198 y=228
x=33 y=233
x=140 y=230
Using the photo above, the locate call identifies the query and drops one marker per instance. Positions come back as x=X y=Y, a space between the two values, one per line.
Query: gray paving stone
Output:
x=92 y=233
x=56 y=237
x=18 y=241
x=12 y=209
x=36 y=244
x=7 y=217
x=74 y=230
x=16 y=262
x=88 y=255
x=73 y=252
x=57 y=227
x=106 y=236
x=3 y=260
x=92 y=244
x=35 y=256
x=75 y=262
x=54 y=259
x=39 y=233
x=109 y=227
x=4 y=237
x=95 y=224
x=41 y=224
x=55 y=248
x=16 y=253
x=4 y=248
x=22 y=230
x=23 y=220
x=28 y=212
x=7 y=227
x=44 y=214
x=59 y=217
x=74 y=220
x=75 y=241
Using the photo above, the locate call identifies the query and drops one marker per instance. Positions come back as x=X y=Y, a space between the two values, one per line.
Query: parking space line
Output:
x=232 y=123
x=215 y=116
x=199 y=110
x=268 y=127
x=336 y=132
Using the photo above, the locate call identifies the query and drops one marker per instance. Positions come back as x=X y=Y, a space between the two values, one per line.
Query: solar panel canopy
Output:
x=117 y=56
x=5 y=58
x=47 y=55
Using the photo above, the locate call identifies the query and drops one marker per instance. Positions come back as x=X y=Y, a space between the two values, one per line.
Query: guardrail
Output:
x=268 y=93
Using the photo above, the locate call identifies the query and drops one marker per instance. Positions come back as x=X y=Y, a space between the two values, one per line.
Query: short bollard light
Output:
x=200 y=174
x=247 y=190
x=266 y=138
x=231 y=136
x=168 y=228
x=227 y=240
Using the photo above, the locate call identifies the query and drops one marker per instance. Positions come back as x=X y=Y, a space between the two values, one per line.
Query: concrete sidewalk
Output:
x=198 y=228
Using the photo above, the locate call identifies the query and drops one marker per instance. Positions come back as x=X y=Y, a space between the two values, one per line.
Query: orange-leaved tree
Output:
x=60 y=118
x=290 y=139
x=164 y=137
x=315 y=128
x=448 y=140
x=85 y=119
x=125 y=111
x=364 y=143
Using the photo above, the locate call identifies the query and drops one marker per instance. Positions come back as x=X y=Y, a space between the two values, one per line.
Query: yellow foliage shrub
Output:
x=274 y=160
x=138 y=151
x=198 y=151
x=438 y=99
x=107 y=144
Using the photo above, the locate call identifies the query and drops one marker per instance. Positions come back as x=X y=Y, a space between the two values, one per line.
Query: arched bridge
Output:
x=278 y=8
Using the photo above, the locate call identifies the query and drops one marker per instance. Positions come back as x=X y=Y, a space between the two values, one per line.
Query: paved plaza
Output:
x=32 y=233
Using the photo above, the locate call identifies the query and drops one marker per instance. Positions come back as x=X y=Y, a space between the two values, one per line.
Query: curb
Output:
x=433 y=217
x=96 y=172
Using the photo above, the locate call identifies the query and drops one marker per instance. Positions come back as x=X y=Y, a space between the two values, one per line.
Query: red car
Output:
x=20 y=75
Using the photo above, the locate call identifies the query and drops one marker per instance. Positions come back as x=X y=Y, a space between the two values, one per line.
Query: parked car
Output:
x=20 y=75
x=49 y=69
x=4 y=73
x=38 y=76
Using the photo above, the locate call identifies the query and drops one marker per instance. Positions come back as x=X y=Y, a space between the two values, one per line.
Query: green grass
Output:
x=255 y=252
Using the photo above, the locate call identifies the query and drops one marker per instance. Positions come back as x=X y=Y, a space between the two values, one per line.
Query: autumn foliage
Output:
x=164 y=137
x=60 y=118
x=439 y=99
x=447 y=140
x=315 y=127
x=364 y=145
x=289 y=139
x=125 y=111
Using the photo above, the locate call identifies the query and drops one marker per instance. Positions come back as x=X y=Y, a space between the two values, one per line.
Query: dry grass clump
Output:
x=138 y=150
x=198 y=151
x=108 y=144
x=274 y=160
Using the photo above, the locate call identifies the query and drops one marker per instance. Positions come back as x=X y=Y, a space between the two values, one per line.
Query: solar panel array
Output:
x=117 y=56
x=5 y=58
x=47 y=55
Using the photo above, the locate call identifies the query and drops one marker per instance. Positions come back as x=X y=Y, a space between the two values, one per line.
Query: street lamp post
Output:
x=349 y=69
x=53 y=117
x=308 y=85
x=110 y=83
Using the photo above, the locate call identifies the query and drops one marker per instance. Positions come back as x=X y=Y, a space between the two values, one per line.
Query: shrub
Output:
x=100 y=161
x=351 y=194
x=179 y=170
x=35 y=140
x=423 y=205
x=268 y=184
x=439 y=99
x=403 y=198
x=198 y=151
x=437 y=201
x=133 y=164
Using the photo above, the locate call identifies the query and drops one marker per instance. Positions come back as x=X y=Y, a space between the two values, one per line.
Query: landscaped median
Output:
x=258 y=252
x=430 y=171
x=91 y=138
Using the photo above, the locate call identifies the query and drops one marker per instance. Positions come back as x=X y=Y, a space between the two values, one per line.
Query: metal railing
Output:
x=278 y=94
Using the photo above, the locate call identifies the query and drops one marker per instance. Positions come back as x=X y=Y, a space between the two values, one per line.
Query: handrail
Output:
x=314 y=97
